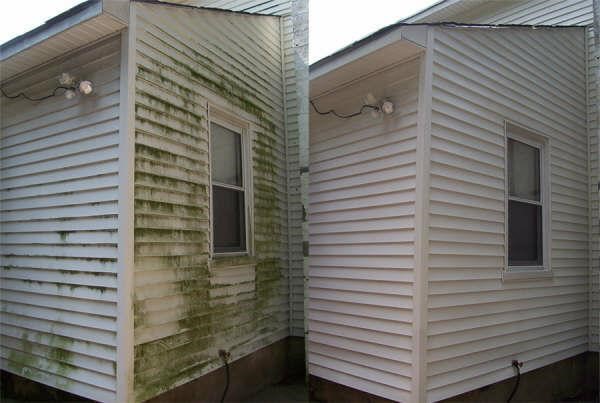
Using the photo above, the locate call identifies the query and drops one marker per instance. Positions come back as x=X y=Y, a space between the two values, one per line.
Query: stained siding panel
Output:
x=479 y=79
x=294 y=25
x=59 y=226
x=361 y=226
x=188 y=306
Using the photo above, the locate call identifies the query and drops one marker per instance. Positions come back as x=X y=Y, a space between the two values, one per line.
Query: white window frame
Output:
x=542 y=143
x=231 y=122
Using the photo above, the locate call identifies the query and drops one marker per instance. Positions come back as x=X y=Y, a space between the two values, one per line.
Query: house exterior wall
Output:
x=478 y=323
x=572 y=12
x=188 y=305
x=562 y=12
x=294 y=29
x=59 y=214
x=362 y=230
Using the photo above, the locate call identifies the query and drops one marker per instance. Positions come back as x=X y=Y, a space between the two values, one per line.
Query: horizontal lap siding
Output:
x=59 y=226
x=572 y=12
x=543 y=12
x=361 y=231
x=188 y=306
x=295 y=38
x=476 y=322
x=273 y=7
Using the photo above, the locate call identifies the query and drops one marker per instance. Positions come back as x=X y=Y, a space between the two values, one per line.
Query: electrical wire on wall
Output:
x=387 y=107
x=517 y=365
x=334 y=113
x=225 y=356
x=27 y=97
x=67 y=83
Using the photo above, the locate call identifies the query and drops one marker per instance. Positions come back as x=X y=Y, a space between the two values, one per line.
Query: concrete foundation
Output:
x=322 y=390
x=247 y=376
x=573 y=379
x=14 y=388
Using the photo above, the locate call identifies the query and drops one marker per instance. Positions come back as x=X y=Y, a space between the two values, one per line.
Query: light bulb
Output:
x=85 y=87
x=387 y=107
x=70 y=94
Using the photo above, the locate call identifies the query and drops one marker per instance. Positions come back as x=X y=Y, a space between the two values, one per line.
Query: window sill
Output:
x=526 y=275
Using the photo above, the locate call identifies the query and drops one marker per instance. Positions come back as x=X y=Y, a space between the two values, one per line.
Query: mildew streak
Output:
x=178 y=344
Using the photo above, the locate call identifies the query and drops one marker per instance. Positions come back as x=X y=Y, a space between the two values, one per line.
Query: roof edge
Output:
x=63 y=21
x=385 y=30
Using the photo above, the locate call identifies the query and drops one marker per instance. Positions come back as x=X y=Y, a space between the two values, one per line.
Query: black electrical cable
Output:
x=226 y=381
x=22 y=94
x=334 y=113
x=517 y=365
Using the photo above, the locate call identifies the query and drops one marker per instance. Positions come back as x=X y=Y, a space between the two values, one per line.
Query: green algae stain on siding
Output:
x=34 y=359
x=185 y=308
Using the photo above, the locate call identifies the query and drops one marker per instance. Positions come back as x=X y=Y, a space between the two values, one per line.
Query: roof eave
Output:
x=74 y=16
x=383 y=48
x=79 y=26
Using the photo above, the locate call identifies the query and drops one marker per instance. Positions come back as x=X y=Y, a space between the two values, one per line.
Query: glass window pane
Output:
x=523 y=170
x=229 y=228
x=226 y=155
x=524 y=234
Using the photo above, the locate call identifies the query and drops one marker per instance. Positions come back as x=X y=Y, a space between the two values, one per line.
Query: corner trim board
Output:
x=420 y=286
x=125 y=326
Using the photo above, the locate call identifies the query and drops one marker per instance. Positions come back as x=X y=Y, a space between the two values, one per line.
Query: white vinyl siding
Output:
x=561 y=12
x=476 y=322
x=573 y=12
x=59 y=213
x=541 y=12
x=361 y=226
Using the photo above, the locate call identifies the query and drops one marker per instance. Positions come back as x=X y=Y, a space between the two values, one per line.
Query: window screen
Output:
x=228 y=192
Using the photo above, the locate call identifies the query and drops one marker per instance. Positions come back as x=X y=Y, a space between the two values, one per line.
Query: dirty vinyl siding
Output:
x=295 y=39
x=361 y=228
x=571 y=12
x=187 y=306
x=476 y=322
x=59 y=226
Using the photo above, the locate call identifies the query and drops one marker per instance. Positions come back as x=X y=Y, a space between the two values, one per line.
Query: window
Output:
x=527 y=204
x=228 y=186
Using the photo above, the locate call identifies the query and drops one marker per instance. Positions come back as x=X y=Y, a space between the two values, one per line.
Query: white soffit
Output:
x=83 y=24
x=366 y=56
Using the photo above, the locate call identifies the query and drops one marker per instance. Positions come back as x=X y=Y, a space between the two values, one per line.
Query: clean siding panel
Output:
x=543 y=12
x=476 y=322
x=272 y=7
x=569 y=12
x=361 y=228
x=295 y=47
x=188 y=306
x=558 y=12
x=58 y=217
